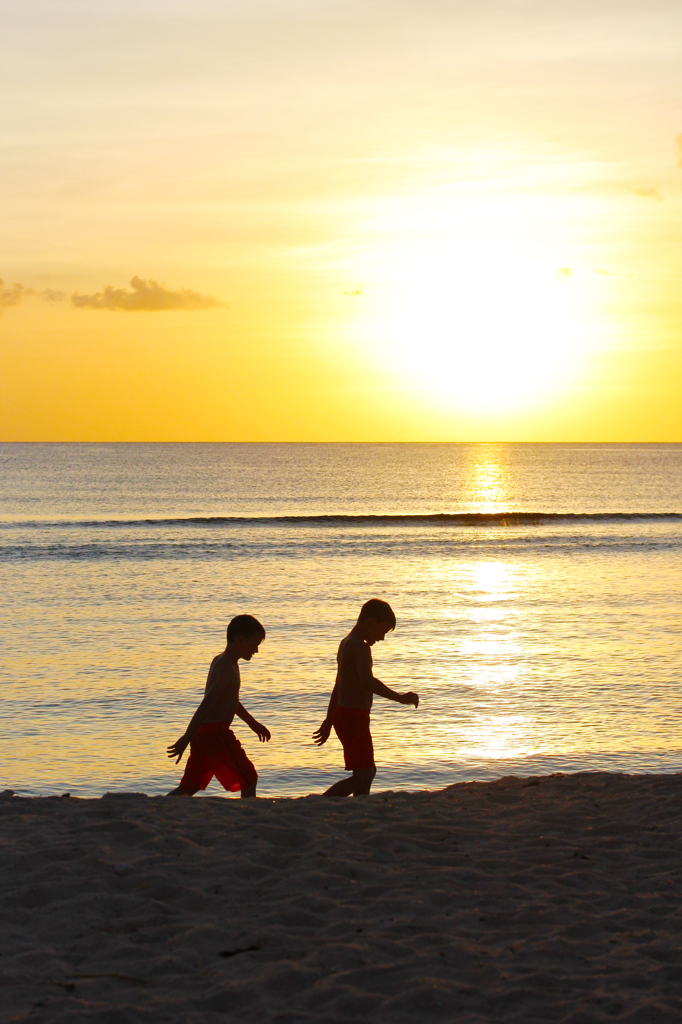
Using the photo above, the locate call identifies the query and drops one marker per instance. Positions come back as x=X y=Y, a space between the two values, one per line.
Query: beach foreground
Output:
x=541 y=899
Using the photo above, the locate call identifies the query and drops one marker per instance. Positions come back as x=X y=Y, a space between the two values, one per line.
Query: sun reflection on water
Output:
x=487 y=480
x=493 y=655
x=492 y=581
x=498 y=736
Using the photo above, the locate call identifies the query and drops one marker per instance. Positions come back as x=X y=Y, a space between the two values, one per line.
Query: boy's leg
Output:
x=342 y=788
x=198 y=772
x=362 y=780
x=232 y=768
x=358 y=784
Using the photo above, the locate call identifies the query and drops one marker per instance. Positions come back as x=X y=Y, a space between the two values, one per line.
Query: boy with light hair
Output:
x=352 y=696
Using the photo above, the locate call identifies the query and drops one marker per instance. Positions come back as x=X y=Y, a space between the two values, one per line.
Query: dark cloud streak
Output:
x=145 y=297
x=12 y=295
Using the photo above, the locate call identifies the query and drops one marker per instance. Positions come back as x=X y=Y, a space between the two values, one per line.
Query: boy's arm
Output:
x=260 y=730
x=322 y=734
x=382 y=690
x=376 y=686
x=214 y=693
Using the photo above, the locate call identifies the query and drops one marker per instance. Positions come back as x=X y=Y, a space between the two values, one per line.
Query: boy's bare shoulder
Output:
x=354 y=646
x=343 y=646
x=222 y=670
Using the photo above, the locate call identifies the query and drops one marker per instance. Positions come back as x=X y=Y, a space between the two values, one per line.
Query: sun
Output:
x=477 y=308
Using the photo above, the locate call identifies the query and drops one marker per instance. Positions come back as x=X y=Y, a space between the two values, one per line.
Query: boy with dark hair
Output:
x=351 y=699
x=214 y=748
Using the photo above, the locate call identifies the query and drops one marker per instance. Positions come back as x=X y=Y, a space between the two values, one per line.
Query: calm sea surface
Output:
x=538 y=591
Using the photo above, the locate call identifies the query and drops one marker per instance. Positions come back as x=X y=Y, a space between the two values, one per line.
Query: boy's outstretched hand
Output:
x=411 y=698
x=321 y=735
x=178 y=748
x=261 y=732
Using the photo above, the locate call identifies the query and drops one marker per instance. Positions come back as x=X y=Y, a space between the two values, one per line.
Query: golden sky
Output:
x=328 y=220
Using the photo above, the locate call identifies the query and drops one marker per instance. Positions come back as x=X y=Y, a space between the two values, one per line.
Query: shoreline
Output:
x=540 y=898
x=297 y=783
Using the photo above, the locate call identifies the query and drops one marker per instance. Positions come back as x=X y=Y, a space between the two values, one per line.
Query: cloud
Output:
x=12 y=295
x=564 y=272
x=355 y=291
x=648 y=192
x=146 y=296
x=604 y=273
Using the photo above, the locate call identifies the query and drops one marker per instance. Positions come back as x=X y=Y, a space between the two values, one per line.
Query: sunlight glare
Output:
x=487 y=480
x=500 y=736
x=474 y=303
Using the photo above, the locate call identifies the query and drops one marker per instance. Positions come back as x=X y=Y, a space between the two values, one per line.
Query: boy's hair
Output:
x=379 y=610
x=246 y=626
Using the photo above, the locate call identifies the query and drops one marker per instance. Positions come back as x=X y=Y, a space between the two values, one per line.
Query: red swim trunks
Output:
x=351 y=725
x=215 y=750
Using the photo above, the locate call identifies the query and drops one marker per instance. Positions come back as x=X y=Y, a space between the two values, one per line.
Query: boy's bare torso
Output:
x=225 y=681
x=354 y=677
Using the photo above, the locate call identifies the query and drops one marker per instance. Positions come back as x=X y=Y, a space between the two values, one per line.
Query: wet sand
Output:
x=542 y=899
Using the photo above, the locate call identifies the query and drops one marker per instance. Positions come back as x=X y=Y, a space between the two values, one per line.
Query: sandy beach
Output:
x=537 y=899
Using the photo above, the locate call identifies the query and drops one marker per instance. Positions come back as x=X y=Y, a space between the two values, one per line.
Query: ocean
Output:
x=537 y=589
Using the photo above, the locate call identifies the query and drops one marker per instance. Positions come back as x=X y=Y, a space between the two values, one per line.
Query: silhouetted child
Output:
x=352 y=696
x=214 y=748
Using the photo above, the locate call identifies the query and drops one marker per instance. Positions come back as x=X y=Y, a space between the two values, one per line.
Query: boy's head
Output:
x=246 y=633
x=378 y=619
